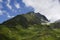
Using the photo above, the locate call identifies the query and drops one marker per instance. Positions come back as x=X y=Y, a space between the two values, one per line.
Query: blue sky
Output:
x=48 y=8
x=11 y=8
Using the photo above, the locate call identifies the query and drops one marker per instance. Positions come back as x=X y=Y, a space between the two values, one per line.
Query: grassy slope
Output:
x=28 y=27
x=34 y=32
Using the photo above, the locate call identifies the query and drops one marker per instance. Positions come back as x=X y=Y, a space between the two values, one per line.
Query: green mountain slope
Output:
x=26 y=19
x=28 y=27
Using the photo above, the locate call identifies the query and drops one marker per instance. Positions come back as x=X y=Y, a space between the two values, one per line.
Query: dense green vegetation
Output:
x=33 y=32
x=28 y=27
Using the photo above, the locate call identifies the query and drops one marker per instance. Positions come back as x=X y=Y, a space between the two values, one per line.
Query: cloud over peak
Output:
x=49 y=8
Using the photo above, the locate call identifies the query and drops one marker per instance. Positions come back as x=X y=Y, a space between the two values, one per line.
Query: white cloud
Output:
x=1 y=0
x=17 y=5
x=1 y=13
x=8 y=4
x=49 y=8
x=9 y=16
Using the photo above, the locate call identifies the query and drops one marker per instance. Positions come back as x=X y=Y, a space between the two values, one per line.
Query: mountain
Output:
x=28 y=27
x=26 y=19
x=56 y=24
